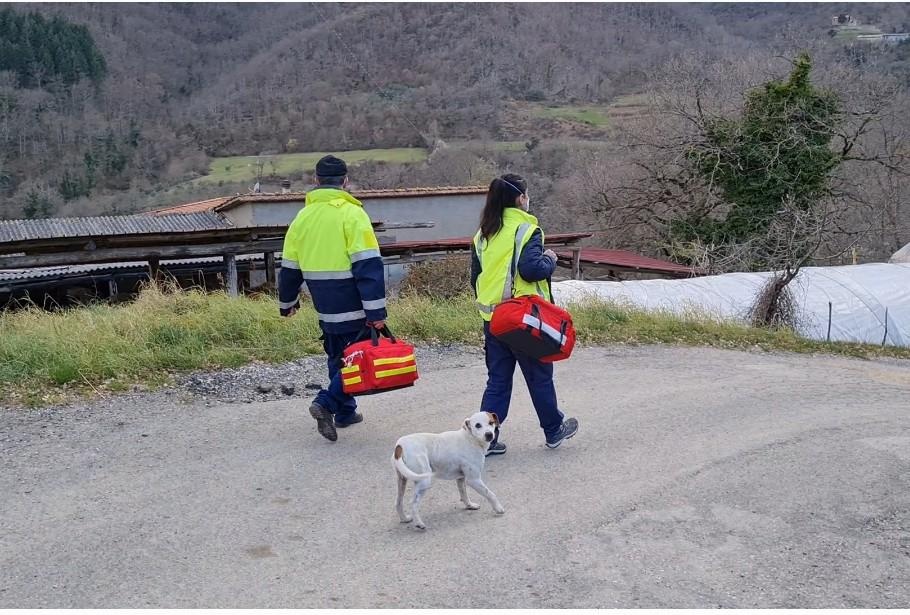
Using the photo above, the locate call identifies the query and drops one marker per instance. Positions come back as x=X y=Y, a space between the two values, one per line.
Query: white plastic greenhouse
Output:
x=859 y=297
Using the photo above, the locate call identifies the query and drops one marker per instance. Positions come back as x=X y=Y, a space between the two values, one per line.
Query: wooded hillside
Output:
x=108 y=108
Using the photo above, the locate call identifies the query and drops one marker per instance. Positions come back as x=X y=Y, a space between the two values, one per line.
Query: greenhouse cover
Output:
x=861 y=299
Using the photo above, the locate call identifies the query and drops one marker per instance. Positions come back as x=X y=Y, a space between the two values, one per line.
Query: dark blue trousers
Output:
x=501 y=362
x=333 y=398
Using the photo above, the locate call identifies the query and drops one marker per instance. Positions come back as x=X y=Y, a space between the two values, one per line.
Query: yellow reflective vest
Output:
x=499 y=277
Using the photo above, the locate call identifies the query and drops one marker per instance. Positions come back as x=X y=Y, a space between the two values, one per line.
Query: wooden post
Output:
x=230 y=277
x=885 y=338
x=271 y=279
x=576 y=263
x=154 y=266
x=112 y=289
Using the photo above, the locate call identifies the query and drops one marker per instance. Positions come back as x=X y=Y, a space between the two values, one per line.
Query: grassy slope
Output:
x=590 y=115
x=243 y=168
x=45 y=357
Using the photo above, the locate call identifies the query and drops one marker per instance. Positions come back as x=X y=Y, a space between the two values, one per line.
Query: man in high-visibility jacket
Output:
x=331 y=247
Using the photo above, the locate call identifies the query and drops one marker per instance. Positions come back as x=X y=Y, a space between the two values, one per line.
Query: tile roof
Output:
x=104 y=226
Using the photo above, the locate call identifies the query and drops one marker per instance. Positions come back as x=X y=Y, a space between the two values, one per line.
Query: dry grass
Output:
x=446 y=278
x=90 y=350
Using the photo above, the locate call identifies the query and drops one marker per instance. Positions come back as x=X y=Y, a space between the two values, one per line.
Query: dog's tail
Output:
x=404 y=470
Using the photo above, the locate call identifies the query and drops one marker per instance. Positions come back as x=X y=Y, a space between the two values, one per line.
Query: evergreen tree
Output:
x=778 y=151
x=37 y=49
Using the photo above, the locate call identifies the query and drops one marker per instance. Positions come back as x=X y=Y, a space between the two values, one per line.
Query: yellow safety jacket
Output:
x=332 y=248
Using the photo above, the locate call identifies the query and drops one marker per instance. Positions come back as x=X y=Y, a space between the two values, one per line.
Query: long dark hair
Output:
x=502 y=193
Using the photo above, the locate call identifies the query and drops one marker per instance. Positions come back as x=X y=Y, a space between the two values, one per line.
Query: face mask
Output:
x=527 y=206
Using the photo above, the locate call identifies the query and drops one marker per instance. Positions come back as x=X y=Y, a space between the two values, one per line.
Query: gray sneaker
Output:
x=325 y=422
x=497 y=448
x=568 y=429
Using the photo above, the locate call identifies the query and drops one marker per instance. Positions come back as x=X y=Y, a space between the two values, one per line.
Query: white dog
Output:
x=457 y=455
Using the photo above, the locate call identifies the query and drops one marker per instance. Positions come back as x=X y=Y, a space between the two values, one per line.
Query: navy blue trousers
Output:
x=333 y=398
x=501 y=362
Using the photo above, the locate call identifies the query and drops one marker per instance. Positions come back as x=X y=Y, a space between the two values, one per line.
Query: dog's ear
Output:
x=494 y=417
x=467 y=424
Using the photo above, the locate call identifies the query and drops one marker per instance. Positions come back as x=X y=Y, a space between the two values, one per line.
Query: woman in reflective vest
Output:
x=508 y=260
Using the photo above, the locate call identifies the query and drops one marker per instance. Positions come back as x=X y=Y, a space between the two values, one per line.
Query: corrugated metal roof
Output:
x=37 y=273
x=101 y=226
x=225 y=203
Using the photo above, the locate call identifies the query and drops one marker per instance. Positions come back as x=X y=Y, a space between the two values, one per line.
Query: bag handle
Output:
x=374 y=334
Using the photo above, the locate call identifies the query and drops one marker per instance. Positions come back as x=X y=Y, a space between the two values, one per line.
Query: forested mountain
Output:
x=103 y=106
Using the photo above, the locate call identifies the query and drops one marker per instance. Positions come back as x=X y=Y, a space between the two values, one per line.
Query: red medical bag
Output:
x=380 y=363
x=535 y=327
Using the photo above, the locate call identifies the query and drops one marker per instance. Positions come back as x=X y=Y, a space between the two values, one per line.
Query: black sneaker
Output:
x=325 y=422
x=568 y=429
x=497 y=448
x=357 y=418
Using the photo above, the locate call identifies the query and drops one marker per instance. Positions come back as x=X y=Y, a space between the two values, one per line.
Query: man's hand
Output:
x=376 y=324
x=551 y=254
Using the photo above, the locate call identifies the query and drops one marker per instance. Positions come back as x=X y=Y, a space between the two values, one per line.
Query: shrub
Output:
x=443 y=279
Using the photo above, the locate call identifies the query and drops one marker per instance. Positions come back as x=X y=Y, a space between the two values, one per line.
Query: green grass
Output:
x=47 y=357
x=233 y=169
x=850 y=32
x=244 y=168
x=590 y=115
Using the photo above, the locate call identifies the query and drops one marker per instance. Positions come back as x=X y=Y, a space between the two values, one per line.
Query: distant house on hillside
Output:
x=843 y=19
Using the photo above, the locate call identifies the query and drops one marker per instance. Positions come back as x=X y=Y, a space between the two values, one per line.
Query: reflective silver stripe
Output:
x=365 y=254
x=545 y=328
x=286 y=305
x=327 y=275
x=343 y=317
x=508 y=288
x=486 y=309
x=376 y=304
x=288 y=264
x=519 y=234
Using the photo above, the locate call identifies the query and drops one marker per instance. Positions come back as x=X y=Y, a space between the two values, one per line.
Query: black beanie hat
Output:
x=330 y=166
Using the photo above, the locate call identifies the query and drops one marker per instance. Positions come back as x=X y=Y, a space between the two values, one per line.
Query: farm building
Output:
x=235 y=242
x=451 y=211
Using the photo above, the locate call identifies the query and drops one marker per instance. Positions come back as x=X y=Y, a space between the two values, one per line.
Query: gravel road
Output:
x=699 y=478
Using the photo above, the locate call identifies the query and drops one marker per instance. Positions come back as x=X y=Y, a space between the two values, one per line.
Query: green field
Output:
x=590 y=115
x=244 y=168
x=851 y=32
x=233 y=169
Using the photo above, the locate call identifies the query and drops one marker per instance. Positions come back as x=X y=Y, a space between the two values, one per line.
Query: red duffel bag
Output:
x=535 y=327
x=380 y=363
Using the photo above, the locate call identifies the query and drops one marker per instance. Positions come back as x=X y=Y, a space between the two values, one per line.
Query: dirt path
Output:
x=699 y=478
